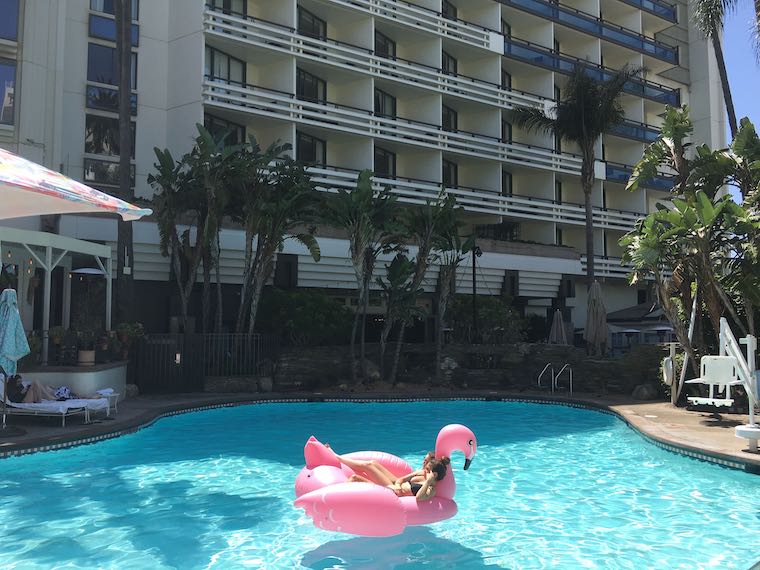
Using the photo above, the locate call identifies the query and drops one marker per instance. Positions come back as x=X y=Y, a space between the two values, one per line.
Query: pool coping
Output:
x=145 y=419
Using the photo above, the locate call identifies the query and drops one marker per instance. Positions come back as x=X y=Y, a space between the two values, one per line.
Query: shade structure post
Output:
x=46 y=303
x=109 y=291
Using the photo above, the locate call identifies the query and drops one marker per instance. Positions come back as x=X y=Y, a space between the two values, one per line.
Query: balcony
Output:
x=622 y=172
x=269 y=35
x=656 y=7
x=479 y=201
x=426 y=21
x=608 y=267
x=533 y=54
x=255 y=100
x=596 y=26
x=636 y=131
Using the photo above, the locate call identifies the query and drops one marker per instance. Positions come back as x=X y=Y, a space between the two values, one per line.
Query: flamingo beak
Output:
x=467 y=462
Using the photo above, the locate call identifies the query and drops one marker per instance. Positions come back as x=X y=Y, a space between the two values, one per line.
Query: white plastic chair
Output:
x=718 y=372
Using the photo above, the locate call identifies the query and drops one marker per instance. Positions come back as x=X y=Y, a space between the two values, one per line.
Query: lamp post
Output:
x=476 y=252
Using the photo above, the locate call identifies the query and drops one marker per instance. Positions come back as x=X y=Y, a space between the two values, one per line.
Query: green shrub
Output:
x=498 y=321
x=304 y=317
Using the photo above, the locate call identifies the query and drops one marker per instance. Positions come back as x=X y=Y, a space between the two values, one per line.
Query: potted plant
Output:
x=56 y=335
x=86 y=348
x=127 y=333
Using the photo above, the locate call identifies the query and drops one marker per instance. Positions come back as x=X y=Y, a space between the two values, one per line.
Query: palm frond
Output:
x=531 y=120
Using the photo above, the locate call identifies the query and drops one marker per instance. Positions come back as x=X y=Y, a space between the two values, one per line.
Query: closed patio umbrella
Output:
x=13 y=346
x=28 y=189
x=558 y=333
x=596 y=332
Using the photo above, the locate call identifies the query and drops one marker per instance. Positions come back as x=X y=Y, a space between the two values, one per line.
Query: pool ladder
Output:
x=555 y=377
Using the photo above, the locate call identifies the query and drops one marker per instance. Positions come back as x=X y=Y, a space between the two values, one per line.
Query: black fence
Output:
x=180 y=363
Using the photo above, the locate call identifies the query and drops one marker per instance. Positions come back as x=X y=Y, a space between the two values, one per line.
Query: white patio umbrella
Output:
x=558 y=333
x=596 y=331
x=28 y=189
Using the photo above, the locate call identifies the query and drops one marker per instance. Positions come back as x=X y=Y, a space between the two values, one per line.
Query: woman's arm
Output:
x=408 y=477
x=427 y=491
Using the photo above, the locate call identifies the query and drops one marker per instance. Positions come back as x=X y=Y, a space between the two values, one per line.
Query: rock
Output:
x=131 y=390
x=373 y=371
x=645 y=392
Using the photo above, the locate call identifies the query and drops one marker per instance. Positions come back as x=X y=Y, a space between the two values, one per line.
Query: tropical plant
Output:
x=498 y=321
x=400 y=299
x=586 y=109
x=251 y=183
x=369 y=220
x=125 y=245
x=288 y=203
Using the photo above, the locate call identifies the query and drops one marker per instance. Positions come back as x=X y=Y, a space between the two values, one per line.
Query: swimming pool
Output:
x=214 y=489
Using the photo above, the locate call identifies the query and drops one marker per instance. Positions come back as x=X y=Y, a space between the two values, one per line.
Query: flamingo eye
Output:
x=470 y=442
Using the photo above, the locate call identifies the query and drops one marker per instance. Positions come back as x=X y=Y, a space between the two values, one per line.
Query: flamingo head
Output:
x=456 y=437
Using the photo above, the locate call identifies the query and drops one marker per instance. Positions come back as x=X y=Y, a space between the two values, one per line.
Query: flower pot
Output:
x=86 y=358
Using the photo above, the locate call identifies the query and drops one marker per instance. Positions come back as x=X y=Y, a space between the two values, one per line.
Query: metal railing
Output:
x=556 y=378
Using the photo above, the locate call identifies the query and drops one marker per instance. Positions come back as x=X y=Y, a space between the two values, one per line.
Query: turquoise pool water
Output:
x=214 y=489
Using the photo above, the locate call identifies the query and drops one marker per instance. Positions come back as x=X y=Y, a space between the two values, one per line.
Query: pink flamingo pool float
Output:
x=366 y=509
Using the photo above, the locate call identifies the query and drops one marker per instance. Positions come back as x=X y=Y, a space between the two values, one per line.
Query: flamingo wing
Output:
x=363 y=509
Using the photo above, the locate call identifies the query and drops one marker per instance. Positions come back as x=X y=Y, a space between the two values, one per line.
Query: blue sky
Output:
x=743 y=69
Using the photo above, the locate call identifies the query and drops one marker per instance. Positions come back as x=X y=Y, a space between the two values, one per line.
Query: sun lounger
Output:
x=53 y=408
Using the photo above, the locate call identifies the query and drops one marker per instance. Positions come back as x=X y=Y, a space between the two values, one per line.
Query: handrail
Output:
x=570 y=371
x=548 y=366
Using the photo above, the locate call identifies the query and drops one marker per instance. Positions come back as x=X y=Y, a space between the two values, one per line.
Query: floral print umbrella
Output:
x=28 y=189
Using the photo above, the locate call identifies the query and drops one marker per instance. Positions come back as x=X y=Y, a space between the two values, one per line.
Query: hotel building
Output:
x=416 y=90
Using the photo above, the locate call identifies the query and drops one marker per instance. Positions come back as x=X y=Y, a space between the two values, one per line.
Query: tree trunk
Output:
x=219 y=298
x=587 y=182
x=363 y=351
x=725 y=85
x=206 y=294
x=261 y=274
x=245 y=288
x=443 y=301
x=397 y=355
x=354 y=329
x=125 y=253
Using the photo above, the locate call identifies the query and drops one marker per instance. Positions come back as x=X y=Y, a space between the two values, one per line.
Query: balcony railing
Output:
x=269 y=35
x=636 y=131
x=426 y=20
x=362 y=122
x=479 y=201
x=622 y=172
x=598 y=27
x=656 y=7
x=608 y=267
x=539 y=55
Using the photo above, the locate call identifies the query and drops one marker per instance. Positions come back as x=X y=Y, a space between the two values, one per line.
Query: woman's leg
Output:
x=371 y=470
x=38 y=392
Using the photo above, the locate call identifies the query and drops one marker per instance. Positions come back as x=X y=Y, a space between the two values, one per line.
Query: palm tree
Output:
x=368 y=218
x=124 y=250
x=587 y=108
x=709 y=18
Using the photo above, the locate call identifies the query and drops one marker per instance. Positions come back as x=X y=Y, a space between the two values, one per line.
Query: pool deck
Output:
x=708 y=435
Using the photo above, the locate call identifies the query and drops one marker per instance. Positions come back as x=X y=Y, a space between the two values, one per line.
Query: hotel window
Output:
x=104 y=172
x=9 y=21
x=558 y=236
x=107 y=99
x=7 y=91
x=448 y=63
x=384 y=46
x=506 y=183
x=219 y=65
x=102 y=65
x=385 y=163
x=310 y=150
x=230 y=6
x=558 y=191
x=506 y=29
x=233 y=133
x=449 y=119
x=101 y=136
x=311 y=25
x=310 y=87
x=448 y=10
x=106 y=6
x=105 y=29
x=385 y=104
x=506 y=79
x=450 y=174
x=506 y=132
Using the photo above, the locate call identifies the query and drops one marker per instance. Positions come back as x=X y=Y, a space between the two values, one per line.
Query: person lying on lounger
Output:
x=34 y=392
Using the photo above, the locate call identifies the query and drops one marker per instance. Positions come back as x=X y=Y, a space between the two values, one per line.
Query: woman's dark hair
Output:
x=438 y=466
